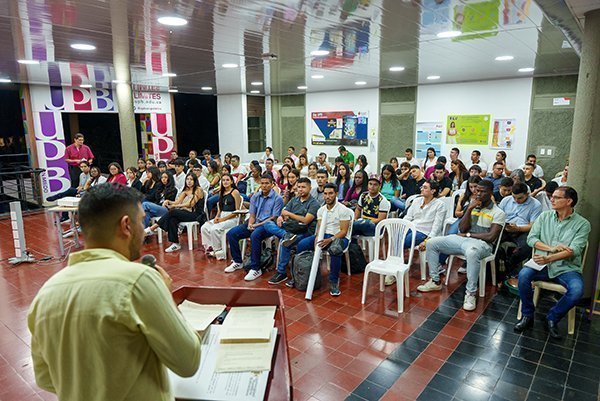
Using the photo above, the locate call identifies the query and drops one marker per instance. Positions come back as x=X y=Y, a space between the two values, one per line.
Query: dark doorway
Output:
x=196 y=123
x=12 y=134
x=102 y=135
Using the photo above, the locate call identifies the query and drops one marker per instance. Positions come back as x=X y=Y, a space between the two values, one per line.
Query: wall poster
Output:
x=339 y=128
x=471 y=129
x=503 y=133
x=429 y=135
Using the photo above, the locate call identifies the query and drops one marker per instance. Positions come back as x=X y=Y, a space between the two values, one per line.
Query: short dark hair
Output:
x=551 y=186
x=570 y=193
x=477 y=152
x=205 y=152
x=304 y=180
x=415 y=166
x=151 y=160
x=442 y=159
x=507 y=182
x=532 y=155
x=193 y=163
x=408 y=150
x=331 y=185
x=440 y=166
x=236 y=157
x=405 y=164
x=266 y=176
x=530 y=165
x=291 y=147
x=519 y=188
x=179 y=162
x=161 y=163
x=487 y=184
x=457 y=150
x=78 y=135
x=323 y=154
x=85 y=162
x=341 y=149
x=103 y=205
x=323 y=171
x=475 y=167
x=270 y=149
x=434 y=185
x=498 y=164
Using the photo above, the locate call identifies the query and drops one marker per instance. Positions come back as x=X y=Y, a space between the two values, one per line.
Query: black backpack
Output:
x=358 y=263
x=301 y=270
x=266 y=260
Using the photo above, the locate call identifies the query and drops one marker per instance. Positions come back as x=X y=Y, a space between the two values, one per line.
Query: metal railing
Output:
x=19 y=182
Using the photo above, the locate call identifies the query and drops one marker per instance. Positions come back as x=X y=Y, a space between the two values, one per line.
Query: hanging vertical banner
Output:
x=429 y=135
x=503 y=133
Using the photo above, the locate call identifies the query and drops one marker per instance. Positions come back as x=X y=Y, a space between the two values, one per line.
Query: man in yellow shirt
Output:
x=104 y=328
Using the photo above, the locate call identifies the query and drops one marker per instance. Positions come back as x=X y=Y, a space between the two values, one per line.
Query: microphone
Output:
x=149 y=260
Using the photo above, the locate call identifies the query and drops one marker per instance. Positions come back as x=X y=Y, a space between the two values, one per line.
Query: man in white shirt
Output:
x=202 y=181
x=337 y=235
x=537 y=169
x=322 y=162
x=454 y=154
x=291 y=154
x=179 y=176
x=476 y=160
x=408 y=157
x=268 y=155
x=237 y=171
x=562 y=179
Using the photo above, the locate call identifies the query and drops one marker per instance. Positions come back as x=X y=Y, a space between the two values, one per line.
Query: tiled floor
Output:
x=341 y=349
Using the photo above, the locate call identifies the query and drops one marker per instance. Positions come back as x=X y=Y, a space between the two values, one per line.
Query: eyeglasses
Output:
x=557 y=197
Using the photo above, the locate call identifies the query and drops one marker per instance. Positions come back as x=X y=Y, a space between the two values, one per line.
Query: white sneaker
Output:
x=390 y=280
x=462 y=270
x=174 y=247
x=430 y=286
x=470 y=302
x=233 y=267
x=253 y=275
x=148 y=231
x=220 y=255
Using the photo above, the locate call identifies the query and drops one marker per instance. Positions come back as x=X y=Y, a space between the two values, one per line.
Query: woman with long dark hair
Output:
x=116 y=174
x=164 y=190
x=359 y=186
x=391 y=188
x=151 y=184
x=343 y=180
x=212 y=231
x=291 y=190
x=362 y=164
x=132 y=180
x=458 y=173
x=282 y=182
x=430 y=160
x=96 y=178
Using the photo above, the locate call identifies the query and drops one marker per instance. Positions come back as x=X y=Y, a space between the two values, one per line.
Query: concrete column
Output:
x=585 y=142
x=123 y=92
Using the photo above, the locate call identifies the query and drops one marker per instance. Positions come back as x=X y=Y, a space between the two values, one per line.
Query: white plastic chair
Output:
x=482 y=266
x=394 y=264
x=551 y=286
x=450 y=203
x=369 y=242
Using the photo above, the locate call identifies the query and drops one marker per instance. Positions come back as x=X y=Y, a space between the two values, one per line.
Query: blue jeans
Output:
x=335 y=266
x=363 y=227
x=453 y=229
x=572 y=281
x=211 y=202
x=472 y=249
x=256 y=237
x=153 y=210
x=398 y=204
x=284 y=252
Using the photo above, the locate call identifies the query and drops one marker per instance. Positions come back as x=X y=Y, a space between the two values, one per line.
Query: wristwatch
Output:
x=468 y=235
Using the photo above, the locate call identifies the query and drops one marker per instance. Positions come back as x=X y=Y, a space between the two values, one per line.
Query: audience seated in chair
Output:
x=440 y=175
x=559 y=237
x=359 y=186
x=372 y=207
x=504 y=190
x=153 y=204
x=317 y=191
x=391 y=188
x=480 y=228
x=132 y=179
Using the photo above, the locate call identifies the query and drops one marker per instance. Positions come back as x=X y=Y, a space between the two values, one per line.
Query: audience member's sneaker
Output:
x=253 y=275
x=513 y=282
x=148 y=231
x=208 y=250
x=462 y=270
x=441 y=271
x=470 y=302
x=65 y=219
x=334 y=289
x=290 y=283
x=289 y=241
x=174 y=247
x=277 y=278
x=430 y=286
x=233 y=267
x=389 y=280
x=220 y=254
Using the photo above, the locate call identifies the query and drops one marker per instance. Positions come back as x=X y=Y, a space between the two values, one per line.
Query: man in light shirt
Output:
x=237 y=171
x=538 y=172
x=476 y=161
x=179 y=175
x=105 y=328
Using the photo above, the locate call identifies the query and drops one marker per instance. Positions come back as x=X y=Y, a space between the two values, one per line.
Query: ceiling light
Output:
x=449 y=34
x=28 y=61
x=504 y=58
x=397 y=68
x=206 y=88
x=118 y=81
x=317 y=76
x=5 y=81
x=172 y=21
x=169 y=74
x=302 y=87
x=173 y=90
x=319 y=53
x=85 y=86
x=257 y=83
x=433 y=77
x=254 y=91
x=83 y=46
x=229 y=65
x=526 y=69
x=360 y=83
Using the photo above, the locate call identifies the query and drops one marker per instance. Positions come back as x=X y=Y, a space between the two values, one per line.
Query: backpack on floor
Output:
x=301 y=270
x=358 y=263
x=266 y=260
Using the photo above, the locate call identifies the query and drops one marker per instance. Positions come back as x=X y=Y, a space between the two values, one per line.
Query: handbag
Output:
x=294 y=226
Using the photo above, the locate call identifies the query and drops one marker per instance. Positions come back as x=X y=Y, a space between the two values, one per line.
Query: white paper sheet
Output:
x=248 y=324
x=531 y=263
x=200 y=316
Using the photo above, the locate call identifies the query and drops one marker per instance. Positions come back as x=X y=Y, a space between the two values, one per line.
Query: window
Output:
x=257 y=135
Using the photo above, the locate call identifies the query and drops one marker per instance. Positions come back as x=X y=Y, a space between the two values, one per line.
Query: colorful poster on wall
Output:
x=339 y=128
x=503 y=133
x=429 y=135
x=473 y=129
x=477 y=20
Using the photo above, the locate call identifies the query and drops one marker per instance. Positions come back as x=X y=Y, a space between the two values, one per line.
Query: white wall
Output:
x=365 y=100
x=233 y=125
x=509 y=98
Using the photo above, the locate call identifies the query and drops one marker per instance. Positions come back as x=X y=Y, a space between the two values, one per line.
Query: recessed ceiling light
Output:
x=172 y=21
x=28 y=61
x=173 y=90
x=5 y=81
x=229 y=65
x=526 y=69
x=504 y=58
x=254 y=91
x=256 y=83
x=360 y=83
x=302 y=87
x=206 y=88
x=85 y=86
x=83 y=46
x=317 y=76
x=433 y=77
x=319 y=53
x=169 y=74
x=449 y=34
x=118 y=81
x=397 y=68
